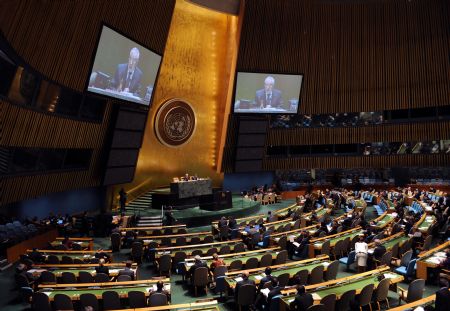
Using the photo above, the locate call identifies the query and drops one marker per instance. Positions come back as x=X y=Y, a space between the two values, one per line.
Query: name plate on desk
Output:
x=191 y=188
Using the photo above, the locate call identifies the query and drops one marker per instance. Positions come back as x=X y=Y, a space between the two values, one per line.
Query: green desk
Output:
x=188 y=249
x=173 y=237
x=333 y=240
x=292 y=270
x=122 y=290
x=229 y=258
x=113 y=271
x=426 y=223
x=384 y=220
x=340 y=287
x=83 y=244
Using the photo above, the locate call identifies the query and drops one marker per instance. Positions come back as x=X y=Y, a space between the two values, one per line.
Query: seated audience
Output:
x=36 y=256
x=101 y=267
x=127 y=270
x=245 y=280
x=159 y=289
x=302 y=300
x=442 y=302
x=198 y=263
x=67 y=242
x=216 y=262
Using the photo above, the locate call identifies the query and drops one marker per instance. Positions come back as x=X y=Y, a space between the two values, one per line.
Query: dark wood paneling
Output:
x=355 y=55
x=24 y=127
x=58 y=38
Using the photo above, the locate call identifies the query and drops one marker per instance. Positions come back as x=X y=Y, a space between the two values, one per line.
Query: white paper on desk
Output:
x=394 y=215
x=370 y=251
x=189 y=264
x=238 y=279
x=326 y=263
x=390 y=275
x=316 y=296
x=258 y=277
x=291 y=238
x=265 y=291
x=296 y=244
x=36 y=270
x=47 y=293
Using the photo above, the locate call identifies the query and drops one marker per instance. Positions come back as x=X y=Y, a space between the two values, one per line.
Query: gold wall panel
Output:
x=196 y=68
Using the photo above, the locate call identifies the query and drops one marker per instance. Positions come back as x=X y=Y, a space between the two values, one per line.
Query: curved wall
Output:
x=355 y=55
x=58 y=39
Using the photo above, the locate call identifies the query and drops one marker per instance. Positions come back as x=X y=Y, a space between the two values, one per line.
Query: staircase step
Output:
x=149 y=218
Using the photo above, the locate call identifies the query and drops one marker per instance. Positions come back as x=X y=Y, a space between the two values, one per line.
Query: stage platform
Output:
x=195 y=216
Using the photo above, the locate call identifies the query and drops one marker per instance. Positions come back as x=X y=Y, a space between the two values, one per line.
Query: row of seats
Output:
x=416 y=208
x=16 y=232
x=110 y=301
x=48 y=277
x=381 y=208
x=366 y=196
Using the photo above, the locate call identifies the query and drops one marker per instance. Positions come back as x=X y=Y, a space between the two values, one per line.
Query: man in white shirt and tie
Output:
x=269 y=97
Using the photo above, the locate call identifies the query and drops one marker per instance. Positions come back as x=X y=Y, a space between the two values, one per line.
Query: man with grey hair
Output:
x=198 y=263
x=128 y=76
x=268 y=97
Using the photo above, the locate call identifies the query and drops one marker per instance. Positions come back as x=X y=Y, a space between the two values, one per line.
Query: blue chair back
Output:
x=411 y=268
x=266 y=241
x=351 y=258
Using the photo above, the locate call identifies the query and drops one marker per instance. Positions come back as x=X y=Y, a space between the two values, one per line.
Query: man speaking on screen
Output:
x=268 y=97
x=128 y=76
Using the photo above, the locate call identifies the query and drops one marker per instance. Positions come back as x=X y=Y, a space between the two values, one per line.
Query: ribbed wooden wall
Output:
x=24 y=127
x=58 y=39
x=404 y=160
x=355 y=55
x=390 y=133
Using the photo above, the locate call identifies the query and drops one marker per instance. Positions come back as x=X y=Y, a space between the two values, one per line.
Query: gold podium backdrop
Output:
x=197 y=67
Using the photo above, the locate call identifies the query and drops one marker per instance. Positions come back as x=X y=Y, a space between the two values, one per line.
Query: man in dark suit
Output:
x=127 y=270
x=245 y=280
x=274 y=291
x=159 y=289
x=442 y=296
x=128 y=76
x=222 y=222
x=268 y=96
x=379 y=250
x=267 y=278
x=198 y=263
x=101 y=267
x=302 y=300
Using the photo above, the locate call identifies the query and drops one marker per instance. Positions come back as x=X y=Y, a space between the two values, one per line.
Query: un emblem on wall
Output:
x=175 y=123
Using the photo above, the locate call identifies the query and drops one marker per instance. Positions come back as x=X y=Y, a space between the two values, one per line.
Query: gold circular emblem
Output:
x=175 y=123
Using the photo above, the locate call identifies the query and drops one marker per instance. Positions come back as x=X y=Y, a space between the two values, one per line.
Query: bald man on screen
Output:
x=269 y=97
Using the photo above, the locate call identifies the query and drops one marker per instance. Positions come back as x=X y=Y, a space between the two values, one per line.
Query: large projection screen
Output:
x=267 y=93
x=123 y=69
